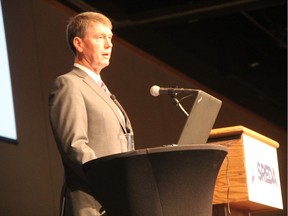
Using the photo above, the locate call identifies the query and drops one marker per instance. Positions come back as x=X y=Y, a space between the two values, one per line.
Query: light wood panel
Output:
x=231 y=185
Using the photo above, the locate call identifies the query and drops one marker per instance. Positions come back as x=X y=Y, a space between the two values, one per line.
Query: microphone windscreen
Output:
x=154 y=90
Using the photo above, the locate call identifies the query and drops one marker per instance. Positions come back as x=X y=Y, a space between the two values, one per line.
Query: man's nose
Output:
x=108 y=43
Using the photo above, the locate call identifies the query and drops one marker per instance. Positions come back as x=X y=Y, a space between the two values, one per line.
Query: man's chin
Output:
x=105 y=65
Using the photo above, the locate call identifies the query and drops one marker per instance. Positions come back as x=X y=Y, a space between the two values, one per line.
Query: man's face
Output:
x=94 y=50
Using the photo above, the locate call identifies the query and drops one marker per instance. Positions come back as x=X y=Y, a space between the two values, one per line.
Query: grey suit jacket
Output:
x=86 y=124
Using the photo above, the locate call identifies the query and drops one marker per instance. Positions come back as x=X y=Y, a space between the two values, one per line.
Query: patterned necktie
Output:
x=104 y=87
x=120 y=109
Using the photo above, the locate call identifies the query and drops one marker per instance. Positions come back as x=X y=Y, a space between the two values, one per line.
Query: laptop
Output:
x=203 y=114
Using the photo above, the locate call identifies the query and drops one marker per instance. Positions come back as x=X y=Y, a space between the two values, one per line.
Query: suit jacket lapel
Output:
x=127 y=120
x=98 y=90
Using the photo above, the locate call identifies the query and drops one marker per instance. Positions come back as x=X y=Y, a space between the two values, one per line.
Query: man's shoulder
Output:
x=74 y=73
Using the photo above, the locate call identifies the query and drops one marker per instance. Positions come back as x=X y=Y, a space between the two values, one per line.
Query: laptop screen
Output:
x=203 y=114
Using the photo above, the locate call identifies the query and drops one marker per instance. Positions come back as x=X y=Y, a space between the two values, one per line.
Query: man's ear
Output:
x=77 y=42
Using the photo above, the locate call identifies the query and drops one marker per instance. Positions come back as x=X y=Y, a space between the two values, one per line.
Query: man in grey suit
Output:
x=85 y=120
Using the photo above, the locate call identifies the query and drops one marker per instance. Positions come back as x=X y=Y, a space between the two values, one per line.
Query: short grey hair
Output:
x=78 y=25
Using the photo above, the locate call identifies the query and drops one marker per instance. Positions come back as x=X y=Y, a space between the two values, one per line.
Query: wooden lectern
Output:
x=248 y=180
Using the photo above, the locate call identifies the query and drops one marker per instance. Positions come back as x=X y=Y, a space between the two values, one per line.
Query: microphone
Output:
x=156 y=90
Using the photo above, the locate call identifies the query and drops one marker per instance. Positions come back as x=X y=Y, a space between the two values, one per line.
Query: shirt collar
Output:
x=94 y=76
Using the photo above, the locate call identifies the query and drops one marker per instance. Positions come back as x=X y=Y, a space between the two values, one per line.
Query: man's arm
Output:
x=68 y=119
